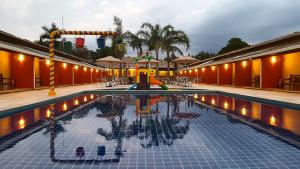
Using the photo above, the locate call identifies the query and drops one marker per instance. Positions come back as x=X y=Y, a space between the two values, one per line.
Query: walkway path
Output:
x=17 y=99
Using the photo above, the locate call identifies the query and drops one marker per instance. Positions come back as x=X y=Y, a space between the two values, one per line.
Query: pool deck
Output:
x=18 y=99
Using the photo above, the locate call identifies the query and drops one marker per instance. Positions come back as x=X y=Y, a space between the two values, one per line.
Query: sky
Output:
x=208 y=23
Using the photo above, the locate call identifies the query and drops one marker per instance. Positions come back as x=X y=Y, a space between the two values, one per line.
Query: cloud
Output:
x=209 y=23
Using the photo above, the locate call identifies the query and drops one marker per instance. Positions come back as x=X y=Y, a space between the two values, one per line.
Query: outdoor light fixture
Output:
x=226 y=66
x=47 y=62
x=92 y=70
x=203 y=69
x=97 y=71
x=203 y=98
x=225 y=105
x=64 y=65
x=213 y=101
x=84 y=68
x=76 y=102
x=21 y=123
x=273 y=59
x=185 y=72
x=272 y=120
x=196 y=96
x=244 y=111
x=76 y=67
x=84 y=99
x=65 y=106
x=190 y=71
x=48 y=113
x=244 y=63
x=180 y=72
x=21 y=58
x=92 y=96
x=213 y=67
x=196 y=70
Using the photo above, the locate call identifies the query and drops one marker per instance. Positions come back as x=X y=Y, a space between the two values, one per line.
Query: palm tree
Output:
x=170 y=41
x=45 y=36
x=153 y=36
x=135 y=42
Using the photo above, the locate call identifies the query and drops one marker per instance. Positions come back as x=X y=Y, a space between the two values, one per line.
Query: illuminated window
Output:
x=21 y=58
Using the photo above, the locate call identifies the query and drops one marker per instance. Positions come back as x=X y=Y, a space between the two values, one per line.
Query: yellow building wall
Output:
x=256 y=64
x=291 y=120
x=290 y=65
x=37 y=67
x=5 y=63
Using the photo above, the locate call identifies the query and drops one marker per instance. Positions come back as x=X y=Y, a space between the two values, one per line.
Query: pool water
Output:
x=149 y=131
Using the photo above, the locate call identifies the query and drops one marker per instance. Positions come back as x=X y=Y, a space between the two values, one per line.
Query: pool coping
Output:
x=289 y=105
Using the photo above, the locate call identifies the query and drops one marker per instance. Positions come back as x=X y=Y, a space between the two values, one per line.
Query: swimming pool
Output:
x=151 y=131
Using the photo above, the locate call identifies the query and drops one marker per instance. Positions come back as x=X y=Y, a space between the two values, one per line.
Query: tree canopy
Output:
x=233 y=44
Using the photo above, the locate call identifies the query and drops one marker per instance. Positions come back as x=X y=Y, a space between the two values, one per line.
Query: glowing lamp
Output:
x=76 y=67
x=21 y=123
x=196 y=70
x=47 y=62
x=190 y=71
x=273 y=59
x=213 y=101
x=84 y=99
x=225 y=105
x=97 y=71
x=92 y=70
x=180 y=72
x=64 y=65
x=244 y=63
x=213 y=67
x=21 y=58
x=92 y=96
x=48 y=113
x=272 y=120
x=203 y=69
x=195 y=96
x=76 y=102
x=84 y=68
x=226 y=66
x=65 y=106
x=185 y=72
x=244 y=111
x=203 y=98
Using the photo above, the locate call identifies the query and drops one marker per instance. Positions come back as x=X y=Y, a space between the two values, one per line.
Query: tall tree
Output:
x=45 y=36
x=233 y=44
x=171 y=40
x=153 y=35
x=204 y=55
x=135 y=42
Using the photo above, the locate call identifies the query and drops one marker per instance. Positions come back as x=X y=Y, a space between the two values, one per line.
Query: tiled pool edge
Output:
x=7 y=112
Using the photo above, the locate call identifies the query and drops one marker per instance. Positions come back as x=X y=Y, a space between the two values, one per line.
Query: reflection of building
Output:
x=144 y=104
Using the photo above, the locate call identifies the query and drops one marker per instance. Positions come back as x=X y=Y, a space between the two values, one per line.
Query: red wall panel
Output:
x=243 y=73
x=65 y=74
x=225 y=74
x=271 y=72
x=211 y=75
x=22 y=71
x=44 y=74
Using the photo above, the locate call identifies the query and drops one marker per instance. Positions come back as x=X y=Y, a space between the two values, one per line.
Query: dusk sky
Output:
x=209 y=23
